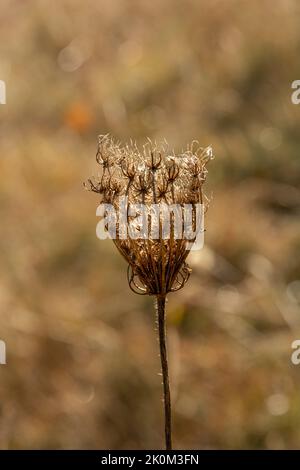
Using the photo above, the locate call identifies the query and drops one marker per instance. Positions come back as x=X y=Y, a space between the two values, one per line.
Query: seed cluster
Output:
x=154 y=175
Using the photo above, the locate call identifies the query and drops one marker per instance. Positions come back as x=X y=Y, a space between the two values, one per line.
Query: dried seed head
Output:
x=156 y=265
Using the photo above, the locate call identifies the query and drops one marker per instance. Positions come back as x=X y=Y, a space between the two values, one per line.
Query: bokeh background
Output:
x=82 y=354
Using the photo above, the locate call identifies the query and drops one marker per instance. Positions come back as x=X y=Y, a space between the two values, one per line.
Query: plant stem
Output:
x=161 y=314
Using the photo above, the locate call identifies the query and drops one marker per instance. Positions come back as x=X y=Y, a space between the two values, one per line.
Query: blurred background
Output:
x=82 y=354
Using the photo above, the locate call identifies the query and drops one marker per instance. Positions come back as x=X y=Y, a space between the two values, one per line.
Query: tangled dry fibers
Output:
x=155 y=175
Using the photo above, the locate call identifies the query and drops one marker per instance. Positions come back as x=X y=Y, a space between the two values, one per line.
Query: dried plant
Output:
x=156 y=264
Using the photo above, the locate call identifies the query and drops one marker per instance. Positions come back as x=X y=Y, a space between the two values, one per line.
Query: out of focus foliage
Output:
x=82 y=357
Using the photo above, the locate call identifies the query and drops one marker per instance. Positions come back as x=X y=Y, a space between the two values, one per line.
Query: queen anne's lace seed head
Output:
x=156 y=265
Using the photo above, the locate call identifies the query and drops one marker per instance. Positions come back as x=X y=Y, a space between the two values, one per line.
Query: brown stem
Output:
x=161 y=314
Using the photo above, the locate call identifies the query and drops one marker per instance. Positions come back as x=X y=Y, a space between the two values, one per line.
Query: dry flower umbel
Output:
x=154 y=176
